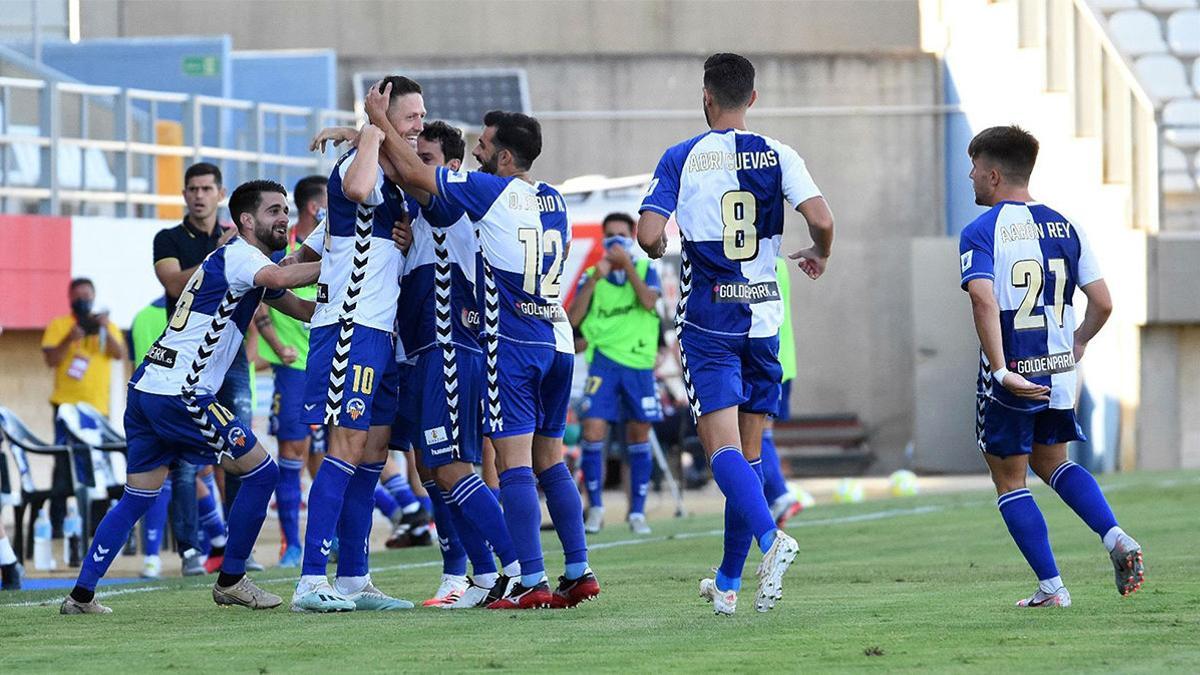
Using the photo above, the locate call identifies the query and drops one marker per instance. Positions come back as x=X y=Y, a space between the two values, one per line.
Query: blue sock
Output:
x=1028 y=528
x=523 y=514
x=155 y=522
x=426 y=503
x=401 y=491
x=591 y=461
x=742 y=488
x=324 y=507
x=354 y=523
x=1079 y=490
x=210 y=519
x=112 y=533
x=641 y=465
x=774 y=485
x=454 y=558
x=473 y=543
x=482 y=510
x=384 y=501
x=738 y=539
x=566 y=511
x=287 y=500
x=247 y=514
x=210 y=482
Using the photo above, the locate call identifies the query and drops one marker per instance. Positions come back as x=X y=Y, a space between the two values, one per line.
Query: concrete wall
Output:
x=489 y=29
x=27 y=382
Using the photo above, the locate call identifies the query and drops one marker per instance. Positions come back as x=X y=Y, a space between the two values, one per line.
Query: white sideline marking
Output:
x=101 y=594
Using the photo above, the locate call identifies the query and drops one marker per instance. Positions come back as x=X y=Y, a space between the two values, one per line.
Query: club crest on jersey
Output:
x=459 y=176
x=436 y=435
x=966 y=259
x=355 y=408
x=237 y=437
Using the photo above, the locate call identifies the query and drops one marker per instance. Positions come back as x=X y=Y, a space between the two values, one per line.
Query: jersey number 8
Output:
x=183 y=306
x=739 y=211
x=1028 y=274
x=549 y=243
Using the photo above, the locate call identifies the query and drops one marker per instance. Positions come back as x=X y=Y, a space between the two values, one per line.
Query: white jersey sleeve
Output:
x=798 y=185
x=1089 y=267
x=242 y=263
x=316 y=239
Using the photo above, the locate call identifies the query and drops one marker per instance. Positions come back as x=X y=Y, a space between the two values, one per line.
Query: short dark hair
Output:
x=202 y=169
x=401 y=86
x=1012 y=148
x=248 y=195
x=308 y=189
x=454 y=146
x=729 y=78
x=517 y=132
x=619 y=216
x=80 y=281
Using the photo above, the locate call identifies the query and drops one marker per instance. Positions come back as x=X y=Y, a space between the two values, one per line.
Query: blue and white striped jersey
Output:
x=438 y=300
x=726 y=189
x=523 y=235
x=360 y=264
x=211 y=318
x=1035 y=258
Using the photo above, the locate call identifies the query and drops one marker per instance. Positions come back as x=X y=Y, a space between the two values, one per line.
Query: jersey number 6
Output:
x=183 y=307
x=739 y=211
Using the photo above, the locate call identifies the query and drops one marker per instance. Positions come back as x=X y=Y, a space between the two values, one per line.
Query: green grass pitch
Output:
x=925 y=583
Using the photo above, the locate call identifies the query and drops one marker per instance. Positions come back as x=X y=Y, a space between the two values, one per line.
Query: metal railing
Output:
x=83 y=125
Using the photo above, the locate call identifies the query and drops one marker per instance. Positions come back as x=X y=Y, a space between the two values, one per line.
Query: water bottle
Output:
x=72 y=537
x=43 y=554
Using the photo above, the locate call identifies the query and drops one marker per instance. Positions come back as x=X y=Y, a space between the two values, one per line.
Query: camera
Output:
x=82 y=309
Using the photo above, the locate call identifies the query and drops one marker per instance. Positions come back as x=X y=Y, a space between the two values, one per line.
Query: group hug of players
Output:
x=438 y=321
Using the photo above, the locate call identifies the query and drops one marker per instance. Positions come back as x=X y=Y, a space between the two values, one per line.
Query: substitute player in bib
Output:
x=522 y=228
x=614 y=308
x=172 y=412
x=350 y=383
x=726 y=188
x=284 y=344
x=1021 y=262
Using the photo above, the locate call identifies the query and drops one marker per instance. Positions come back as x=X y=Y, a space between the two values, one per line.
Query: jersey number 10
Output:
x=1028 y=274
x=549 y=243
x=739 y=211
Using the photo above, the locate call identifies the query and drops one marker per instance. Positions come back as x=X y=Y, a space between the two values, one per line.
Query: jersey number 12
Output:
x=549 y=243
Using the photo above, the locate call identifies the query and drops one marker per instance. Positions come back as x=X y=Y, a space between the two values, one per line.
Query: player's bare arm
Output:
x=292 y=276
x=335 y=135
x=1099 y=308
x=651 y=234
x=412 y=172
x=987 y=326
x=297 y=308
x=812 y=260
x=363 y=171
x=173 y=279
x=402 y=235
x=262 y=321
x=578 y=310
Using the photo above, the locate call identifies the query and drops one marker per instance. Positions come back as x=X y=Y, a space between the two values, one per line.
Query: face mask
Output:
x=81 y=307
x=618 y=277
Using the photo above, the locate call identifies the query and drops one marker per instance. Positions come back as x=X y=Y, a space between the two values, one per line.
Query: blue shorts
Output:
x=722 y=371
x=405 y=422
x=159 y=429
x=367 y=391
x=785 y=397
x=436 y=410
x=530 y=393
x=285 y=407
x=1004 y=432
x=617 y=393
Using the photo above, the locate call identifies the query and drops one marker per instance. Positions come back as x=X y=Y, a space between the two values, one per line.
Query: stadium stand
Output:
x=22 y=443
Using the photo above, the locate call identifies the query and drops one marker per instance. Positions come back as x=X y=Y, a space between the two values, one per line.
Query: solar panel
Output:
x=461 y=96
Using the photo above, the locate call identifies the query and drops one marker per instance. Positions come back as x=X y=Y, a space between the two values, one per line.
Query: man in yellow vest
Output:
x=614 y=308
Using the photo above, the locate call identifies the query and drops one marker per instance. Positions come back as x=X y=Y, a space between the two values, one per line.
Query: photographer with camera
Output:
x=81 y=348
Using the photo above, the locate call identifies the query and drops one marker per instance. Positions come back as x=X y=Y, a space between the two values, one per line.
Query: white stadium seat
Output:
x=1137 y=32
x=1186 y=113
x=1163 y=77
x=1183 y=32
x=1175 y=175
x=1167 y=5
